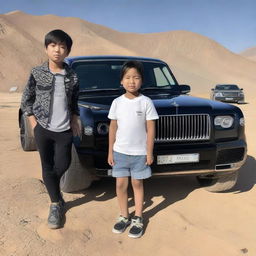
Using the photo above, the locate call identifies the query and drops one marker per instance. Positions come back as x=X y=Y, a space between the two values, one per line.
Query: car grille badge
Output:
x=176 y=105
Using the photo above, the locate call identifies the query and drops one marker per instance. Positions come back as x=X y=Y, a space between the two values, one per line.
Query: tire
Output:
x=218 y=183
x=27 y=139
x=78 y=176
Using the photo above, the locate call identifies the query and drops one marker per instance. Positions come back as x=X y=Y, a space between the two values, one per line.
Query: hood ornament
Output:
x=176 y=105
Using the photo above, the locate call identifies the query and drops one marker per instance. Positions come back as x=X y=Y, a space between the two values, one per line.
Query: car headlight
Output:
x=218 y=94
x=224 y=121
x=242 y=121
x=102 y=128
x=88 y=130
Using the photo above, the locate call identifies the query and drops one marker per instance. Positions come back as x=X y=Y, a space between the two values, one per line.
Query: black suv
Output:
x=228 y=93
x=194 y=136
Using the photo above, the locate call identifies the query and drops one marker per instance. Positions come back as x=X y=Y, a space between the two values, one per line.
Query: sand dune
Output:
x=250 y=53
x=195 y=59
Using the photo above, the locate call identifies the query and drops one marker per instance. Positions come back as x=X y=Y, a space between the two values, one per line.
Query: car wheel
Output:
x=78 y=176
x=218 y=183
x=27 y=139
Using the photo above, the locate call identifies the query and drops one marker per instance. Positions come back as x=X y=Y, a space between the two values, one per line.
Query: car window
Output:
x=106 y=74
x=162 y=76
x=227 y=87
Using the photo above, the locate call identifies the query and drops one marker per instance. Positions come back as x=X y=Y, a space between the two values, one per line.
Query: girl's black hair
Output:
x=58 y=36
x=132 y=64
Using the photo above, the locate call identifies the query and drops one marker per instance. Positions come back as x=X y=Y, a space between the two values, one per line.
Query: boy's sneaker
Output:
x=55 y=215
x=136 y=229
x=121 y=224
x=62 y=201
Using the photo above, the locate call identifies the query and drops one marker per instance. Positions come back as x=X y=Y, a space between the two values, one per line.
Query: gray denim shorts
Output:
x=130 y=165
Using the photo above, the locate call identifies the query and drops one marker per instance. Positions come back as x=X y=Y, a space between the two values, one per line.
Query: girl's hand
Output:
x=111 y=159
x=150 y=159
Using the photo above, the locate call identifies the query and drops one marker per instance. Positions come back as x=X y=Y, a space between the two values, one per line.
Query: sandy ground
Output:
x=181 y=218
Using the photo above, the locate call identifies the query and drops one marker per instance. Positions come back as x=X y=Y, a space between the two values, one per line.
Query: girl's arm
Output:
x=111 y=141
x=150 y=141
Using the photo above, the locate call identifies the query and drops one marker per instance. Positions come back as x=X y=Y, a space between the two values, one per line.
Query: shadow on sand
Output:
x=101 y=190
x=170 y=189
x=246 y=177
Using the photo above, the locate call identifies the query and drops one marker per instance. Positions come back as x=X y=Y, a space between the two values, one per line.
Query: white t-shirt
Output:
x=131 y=116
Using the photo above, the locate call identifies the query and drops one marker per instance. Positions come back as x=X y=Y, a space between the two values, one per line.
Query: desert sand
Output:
x=181 y=218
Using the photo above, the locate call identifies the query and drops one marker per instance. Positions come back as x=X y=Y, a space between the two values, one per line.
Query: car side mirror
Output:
x=241 y=88
x=212 y=89
x=184 y=89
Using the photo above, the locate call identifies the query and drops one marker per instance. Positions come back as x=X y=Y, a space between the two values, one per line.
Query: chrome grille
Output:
x=230 y=94
x=183 y=128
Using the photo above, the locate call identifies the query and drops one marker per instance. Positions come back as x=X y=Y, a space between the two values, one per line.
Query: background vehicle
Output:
x=194 y=136
x=227 y=93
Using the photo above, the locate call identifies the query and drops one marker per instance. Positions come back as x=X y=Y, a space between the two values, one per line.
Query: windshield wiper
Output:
x=156 y=88
x=100 y=90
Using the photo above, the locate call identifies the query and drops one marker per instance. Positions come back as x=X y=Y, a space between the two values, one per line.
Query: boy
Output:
x=131 y=141
x=50 y=102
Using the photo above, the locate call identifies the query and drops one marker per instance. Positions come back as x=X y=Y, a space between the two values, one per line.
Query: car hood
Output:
x=182 y=104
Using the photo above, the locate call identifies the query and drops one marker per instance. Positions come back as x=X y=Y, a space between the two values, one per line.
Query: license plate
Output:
x=178 y=159
x=229 y=98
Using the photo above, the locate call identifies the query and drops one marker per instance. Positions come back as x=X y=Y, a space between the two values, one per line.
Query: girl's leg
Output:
x=122 y=195
x=138 y=190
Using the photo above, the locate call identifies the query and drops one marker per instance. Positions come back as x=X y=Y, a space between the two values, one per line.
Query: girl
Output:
x=131 y=141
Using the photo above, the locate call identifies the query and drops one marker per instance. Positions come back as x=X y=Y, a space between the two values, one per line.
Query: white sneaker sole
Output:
x=135 y=236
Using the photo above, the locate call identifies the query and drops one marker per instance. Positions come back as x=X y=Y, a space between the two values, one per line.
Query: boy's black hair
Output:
x=132 y=64
x=58 y=36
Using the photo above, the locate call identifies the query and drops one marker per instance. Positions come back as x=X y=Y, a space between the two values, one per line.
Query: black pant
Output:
x=55 y=153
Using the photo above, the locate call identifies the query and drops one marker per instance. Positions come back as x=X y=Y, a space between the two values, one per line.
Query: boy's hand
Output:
x=32 y=121
x=76 y=126
x=150 y=159
x=111 y=159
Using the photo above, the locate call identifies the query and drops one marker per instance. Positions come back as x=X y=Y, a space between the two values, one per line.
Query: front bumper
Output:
x=213 y=159
x=230 y=99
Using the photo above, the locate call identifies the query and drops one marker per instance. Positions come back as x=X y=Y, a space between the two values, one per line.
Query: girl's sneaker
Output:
x=136 y=229
x=121 y=224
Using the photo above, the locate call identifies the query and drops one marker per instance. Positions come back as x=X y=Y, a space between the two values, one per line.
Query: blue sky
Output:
x=232 y=23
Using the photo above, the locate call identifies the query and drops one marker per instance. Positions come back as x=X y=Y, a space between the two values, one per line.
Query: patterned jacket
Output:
x=37 y=96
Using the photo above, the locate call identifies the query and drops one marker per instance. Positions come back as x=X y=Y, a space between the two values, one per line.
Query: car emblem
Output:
x=176 y=105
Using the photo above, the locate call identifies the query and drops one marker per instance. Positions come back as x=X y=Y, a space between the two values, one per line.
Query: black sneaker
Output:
x=55 y=215
x=121 y=224
x=136 y=229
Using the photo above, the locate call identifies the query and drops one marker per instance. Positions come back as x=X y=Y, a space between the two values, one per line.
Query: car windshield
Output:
x=105 y=75
x=227 y=87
